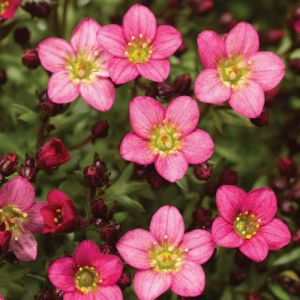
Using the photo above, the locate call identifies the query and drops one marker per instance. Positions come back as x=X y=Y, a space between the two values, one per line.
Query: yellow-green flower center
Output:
x=4 y=5
x=233 y=71
x=87 y=279
x=139 y=50
x=246 y=225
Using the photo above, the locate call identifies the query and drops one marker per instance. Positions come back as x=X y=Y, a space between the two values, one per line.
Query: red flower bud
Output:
x=295 y=20
x=287 y=166
x=183 y=84
x=30 y=59
x=262 y=120
x=229 y=176
x=110 y=233
x=227 y=21
x=211 y=188
x=48 y=107
x=108 y=249
x=3 y=77
x=52 y=155
x=272 y=36
x=153 y=178
x=202 y=218
x=203 y=171
x=8 y=164
x=182 y=49
x=254 y=296
x=202 y=6
x=28 y=169
x=22 y=36
x=164 y=90
x=99 y=209
x=37 y=9
x=125 y=280
x=99 y=130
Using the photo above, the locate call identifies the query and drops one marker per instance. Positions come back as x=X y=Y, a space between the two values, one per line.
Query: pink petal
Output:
x=18 y=191
x=267 y=69
x=167 y=225
x=53 y=53
x=145 y=113
x=36 y=221
x=134 y=248
x=183 y=112
x=229 y=201
x=199 y=246
x=224 y=235
x=211 y=48
x=86 y=253
x=248 y=100
x=189 y=281
x=197 y=147
x=172 y=167
x=155 y=70
x=256 y=249
x=61 y=89
x=149 y=285
x=100 y=93
x=139 y=20
x=61 y=274
x=106 y=293
x=242 y=40
x=57 y=198
x=262 y=203
x=103 y=58
x=135 y=149
x=112 y=39
x=121 y=70
x=276 y=233
x=209 y=87
x=166 y=42
x=84 y=36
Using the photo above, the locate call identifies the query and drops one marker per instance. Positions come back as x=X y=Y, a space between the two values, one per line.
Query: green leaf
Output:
x=26 y=115
x=287 y=258
x=279 y=292
x=131 y=204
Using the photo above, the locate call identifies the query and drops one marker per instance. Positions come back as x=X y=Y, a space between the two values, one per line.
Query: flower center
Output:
x=13 y=219
x=4 y=5
x=246 y=225
x=58 y=219
x=233 y=71
x=87 y=279
x=165 y=138
x=139 y=50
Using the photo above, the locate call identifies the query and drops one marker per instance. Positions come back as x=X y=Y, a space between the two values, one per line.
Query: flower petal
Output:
x=224 y=235
x=167 y=41
x=134 y=248
x=189 y=281
x=145 y=112
x=121 y=70
x=84 y=36
x=172 y=167
x=36 y=221
x=242 y=40
x=262 y=203
x=139 y=20
x=211 y=48
x=57 y=198
x=167 y=225
x=61 y=274
x=198 y=245
x=248 y=100
x=197 y=147
x=184 y=113
x=53 y=53
x=149 y=285
x=61 y=89
x=267 y=69
x=155 y=70
x=276 y=233
x=209 y=87
x=107 y=293
x=86 y=253
x=256 y=249
x=100 y=93
x=112 y=39
x=230 y=201
x=135 y=149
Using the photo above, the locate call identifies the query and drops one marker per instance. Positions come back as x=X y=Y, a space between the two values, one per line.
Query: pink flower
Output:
x=139 y=46
x=78 y=67
x=236 y=71
x=88 y=274
x=169 y=138
x=166 y=257
x=8 y=8
x=20 y=215
x=247 y=221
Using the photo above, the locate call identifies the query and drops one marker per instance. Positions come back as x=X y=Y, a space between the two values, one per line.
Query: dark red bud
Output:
x=48 y=107
x=296 y=238
x=8 y=164
x=99 y=209
x=3 y=77
x=50 y=294
x=139 y=172
x=37 y=9
x=202 y=7
x=262 y=120
x=182 y=49
x=108 y=249
x=30 y=59
x=153 y=178
x=203 y=171
x=28 y=169
x=295 y=20
x=272 y=36
x=229 y=176
x=287 y=166
x=164 y=90
x=241 y=260
x=254 y=296
x=110 y=233
x=22 y=36
x=211 y=188
x=183 y=84
x=272 y=95
x=202 y=218
x=125 y=280
x=227 y=21
x=99 y=130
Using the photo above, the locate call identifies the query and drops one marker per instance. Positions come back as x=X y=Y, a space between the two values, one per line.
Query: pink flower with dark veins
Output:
x=8 y=8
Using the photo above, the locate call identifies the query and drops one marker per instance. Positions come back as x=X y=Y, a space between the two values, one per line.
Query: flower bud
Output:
x=49 y=108
x=52 y=154
x=110 y=233
x=48 y=294
x=153 y=178
x=296 y=238
x=229 y=176
x=273 y=36
x=203 y=171
x=37 y=9
x=8 y=164
x=227 y=21
x=164 y=90
x=262 y=120
x=211 y=188
x=125 y=280
x=202 y=218
x=272 y=95
x=183 y=84
x=295 y=20
x=99 y=209
x=287 y=166
x=22 y=36
x=28 y=169
x=30 y=59
x=202 y=7
x=254 y=296
x=241 y=260
x=3 y=77
x=99 y=130
x=182 y=49
x=108 y=249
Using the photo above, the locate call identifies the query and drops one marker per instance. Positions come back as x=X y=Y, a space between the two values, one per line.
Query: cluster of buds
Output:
x=149 y=174
x=39 y=9
x=8 y=165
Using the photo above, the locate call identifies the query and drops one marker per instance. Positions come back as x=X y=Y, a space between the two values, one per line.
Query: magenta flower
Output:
x=20 y=215
x=166 y=257
x=169 y=138
x=236 y=71
x=78 y=67
x=8 y=8
x=139 y=46
x=247 y=221
x=88 y=274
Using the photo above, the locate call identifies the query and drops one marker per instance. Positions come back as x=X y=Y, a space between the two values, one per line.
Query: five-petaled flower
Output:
x=8 y=8
x=236 y=71
x=169 y=138
x=166 y=257
x=20 y=216
x=88 y=274
x=78 y=67
x=247 y=221
x=139 y=47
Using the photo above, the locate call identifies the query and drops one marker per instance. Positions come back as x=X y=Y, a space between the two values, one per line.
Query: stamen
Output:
x=246 y=225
